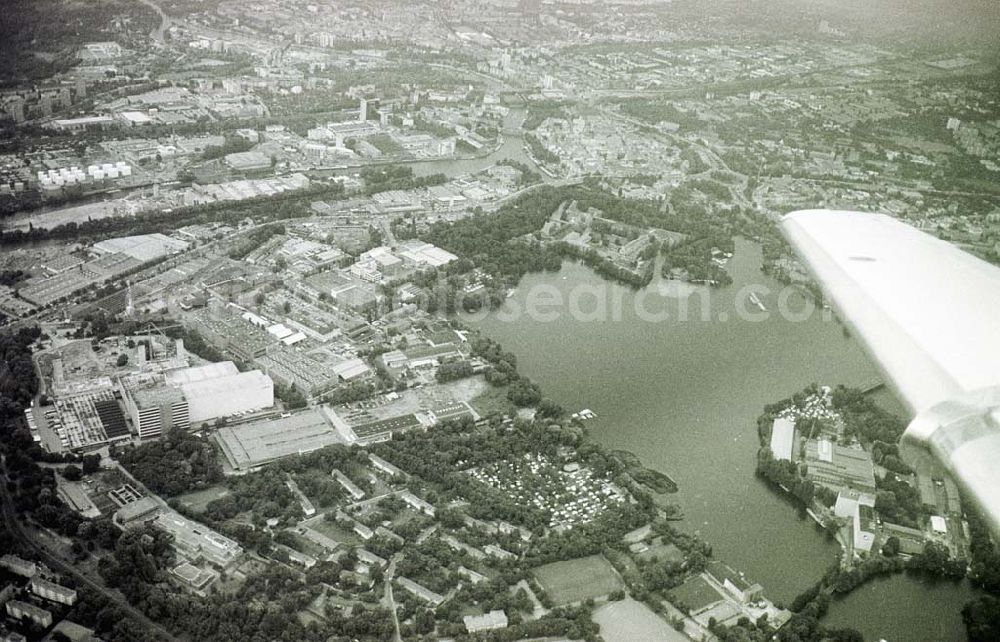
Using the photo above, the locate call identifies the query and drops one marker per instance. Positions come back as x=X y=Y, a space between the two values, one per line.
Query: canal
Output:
x=684 y=395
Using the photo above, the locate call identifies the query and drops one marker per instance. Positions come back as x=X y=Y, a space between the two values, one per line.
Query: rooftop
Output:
x=782 y=438
x=199 y=373
x=145 y=247
x=250 y=445
x=156 y=396
x=839 y=466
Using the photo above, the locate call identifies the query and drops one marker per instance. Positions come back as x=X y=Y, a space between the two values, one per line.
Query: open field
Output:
x=331 y=530
x=198 y=500
x=579 y=579
x=492 y=399
x=635 y=622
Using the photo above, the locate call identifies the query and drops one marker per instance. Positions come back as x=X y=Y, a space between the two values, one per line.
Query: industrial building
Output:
x=425 y=254
x=783 y=439
x=184 y=396
x=78 y=420
x=351 y=369
x=288 y=368
x=223 y=328
x=181 y=376
x=838 y=467
x=153 y=407
x=382 y=429
x=863 y=528
x=735 y=583
x=848 y=502
x=145 y=247
x=44 y=291
x=248 y=161
x=254 y=444
x=228 y=395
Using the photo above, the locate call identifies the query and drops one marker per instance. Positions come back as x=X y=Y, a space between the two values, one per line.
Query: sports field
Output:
x=635 y=622
x=579 y=579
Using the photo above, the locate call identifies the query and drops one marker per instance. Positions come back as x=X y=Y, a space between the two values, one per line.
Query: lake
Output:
x=684 y=396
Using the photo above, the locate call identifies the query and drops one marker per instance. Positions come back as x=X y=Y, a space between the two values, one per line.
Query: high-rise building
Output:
x=153 y=407
x=363 y=111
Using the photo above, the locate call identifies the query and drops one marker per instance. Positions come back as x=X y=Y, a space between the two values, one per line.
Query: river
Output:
x=684 y=396
x=99 y=206
x=511 y=147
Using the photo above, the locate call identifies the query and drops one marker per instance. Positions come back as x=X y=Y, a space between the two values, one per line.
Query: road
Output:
x=387 y=600
x=18 y=530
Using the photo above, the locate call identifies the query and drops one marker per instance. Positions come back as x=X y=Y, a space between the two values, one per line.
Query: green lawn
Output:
x=331 y=530
x=579 y=579
x=635 y=622
x=199 y=499
x=493 y=400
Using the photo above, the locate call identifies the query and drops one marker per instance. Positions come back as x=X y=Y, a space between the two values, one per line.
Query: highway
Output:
x=56 y=563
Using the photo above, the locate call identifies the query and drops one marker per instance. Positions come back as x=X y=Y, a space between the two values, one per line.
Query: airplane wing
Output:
x=927 y=312
x=929 y=315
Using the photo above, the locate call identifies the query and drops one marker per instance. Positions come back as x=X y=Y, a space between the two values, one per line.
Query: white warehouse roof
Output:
x=279 y=330
x=144 y=247
x=199 y=373
x=351 y=369
x=782 y=438
x=228 y=395
x=425 y=253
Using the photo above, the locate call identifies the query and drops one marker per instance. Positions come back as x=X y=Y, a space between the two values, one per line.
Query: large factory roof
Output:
x=200 y=373
x=145 y=247
x=254 y=444
x=231 y=384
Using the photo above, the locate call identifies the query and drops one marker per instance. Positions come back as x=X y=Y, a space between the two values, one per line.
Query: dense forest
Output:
x=385 y=178
x=177 y=463
x=266 y=208
x=30 y=27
